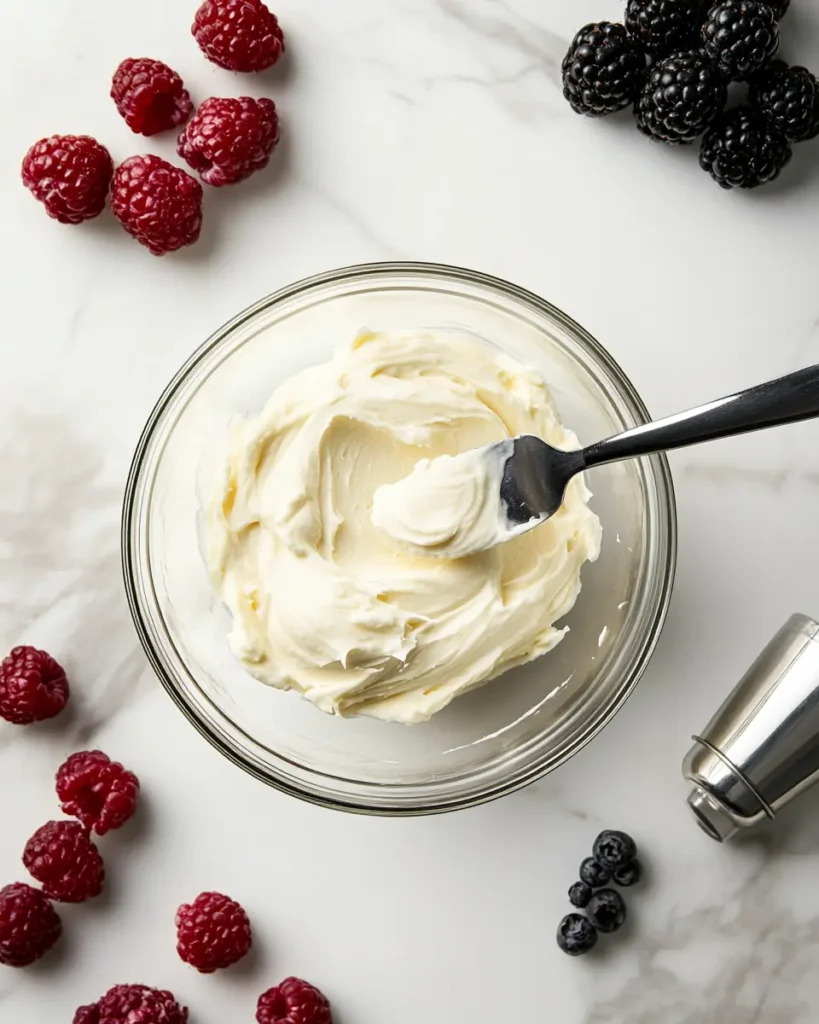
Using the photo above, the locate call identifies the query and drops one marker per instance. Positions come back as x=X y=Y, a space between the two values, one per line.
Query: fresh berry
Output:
x=70 y=175
x=614 y=849
x=580 y=894
x=62 y=858
x=779 y=7
x=33 y=686
x=239 y=35
x=661 y=27
x=150 y=96
x=212 y=932
x=606 y=910
x=681 y=97
x=97 y=791
x=29 y=925
x=629 y=874
x=576 y=935
x=740 y=150
x=740 y=36
x=788 y=99
x=603 y=70
x=593 y=873
x=230 y=139
x=133 y=1004
x=157 y=203
x=293 y=1002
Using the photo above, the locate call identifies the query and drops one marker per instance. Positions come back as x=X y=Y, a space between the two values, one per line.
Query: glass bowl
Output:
x=489 y=742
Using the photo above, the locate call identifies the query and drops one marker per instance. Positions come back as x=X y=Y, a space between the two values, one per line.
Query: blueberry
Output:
x=593 y=873
x=630 y=874
x=614 y=849
x=576 y=935
x=580 y=894
x=606 y=910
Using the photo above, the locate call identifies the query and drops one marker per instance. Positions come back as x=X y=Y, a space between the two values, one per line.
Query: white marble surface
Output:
x=435 y=130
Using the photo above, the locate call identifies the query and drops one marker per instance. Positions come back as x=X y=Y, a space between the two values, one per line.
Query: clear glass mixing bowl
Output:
x=487 y=743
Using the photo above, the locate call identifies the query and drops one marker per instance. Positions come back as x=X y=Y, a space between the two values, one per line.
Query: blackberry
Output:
x=576 y=935
x=740 y=36
x=603 y=70
x=788 y=99
x=741 y=150
x=779 y=7
x=628 y=875
x=606 y=910
x=594 y=874
x=580 y=894
x=614 y=849
x=661 y=27
x=681 y=97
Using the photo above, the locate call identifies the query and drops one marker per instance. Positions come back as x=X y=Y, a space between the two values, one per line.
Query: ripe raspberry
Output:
x=70 y=175
x=97 y=791
x=157 y=203
x=133 y=1004
x=293 y=1002
x=229 y=139
x=62 y=858
x=29 y=925
x=33 y=686
x=150 y=96
x=212 y=932
x=239 y=35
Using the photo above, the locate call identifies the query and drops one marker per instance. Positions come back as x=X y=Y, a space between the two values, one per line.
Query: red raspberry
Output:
x=62 y=858
x=150 y=96
x=293 y=1002
x=229 y=139
x=97 y=790
x=212 y=932
x=29 y=925
x=70 y=175
x=157 y=203
x=240 y=35
x=33 y=686
x=133 y=1004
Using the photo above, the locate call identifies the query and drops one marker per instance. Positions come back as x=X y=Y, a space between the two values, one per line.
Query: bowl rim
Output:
x=373 y=270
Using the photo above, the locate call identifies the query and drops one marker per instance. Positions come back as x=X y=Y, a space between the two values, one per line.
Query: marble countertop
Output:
x=431 y=130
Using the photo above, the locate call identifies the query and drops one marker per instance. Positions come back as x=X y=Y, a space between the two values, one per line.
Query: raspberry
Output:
x=29 y=925
x=212 y=932
x=97 y=791
x=33 y=686
x=62 y=858
x=293 y=1002
x=230 y=139
x=150 y=96
x=157 y=203
x=239 y=35
x=133 y=1004
x=70 y=175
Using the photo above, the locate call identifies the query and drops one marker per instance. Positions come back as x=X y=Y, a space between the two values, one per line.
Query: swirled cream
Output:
x=326 y=603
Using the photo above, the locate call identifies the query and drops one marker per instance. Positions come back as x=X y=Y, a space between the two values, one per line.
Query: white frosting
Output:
x=325 y=603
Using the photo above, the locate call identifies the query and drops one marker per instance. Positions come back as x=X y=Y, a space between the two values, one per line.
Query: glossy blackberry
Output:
x=740 y=150
x=614 y=849
x=576 y=935
x=630 y=874
x=661 y=27
x=606 y=910
x=602 y=70
x=594 y=874
x=580 y=894
x=788 y=99
x=681 y=97
x=740 y=36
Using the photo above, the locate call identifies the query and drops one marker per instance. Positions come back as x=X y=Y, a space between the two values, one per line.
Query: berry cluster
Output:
x=61 y=855
x=674 y=60
x=225 y=141
x=614 y=860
